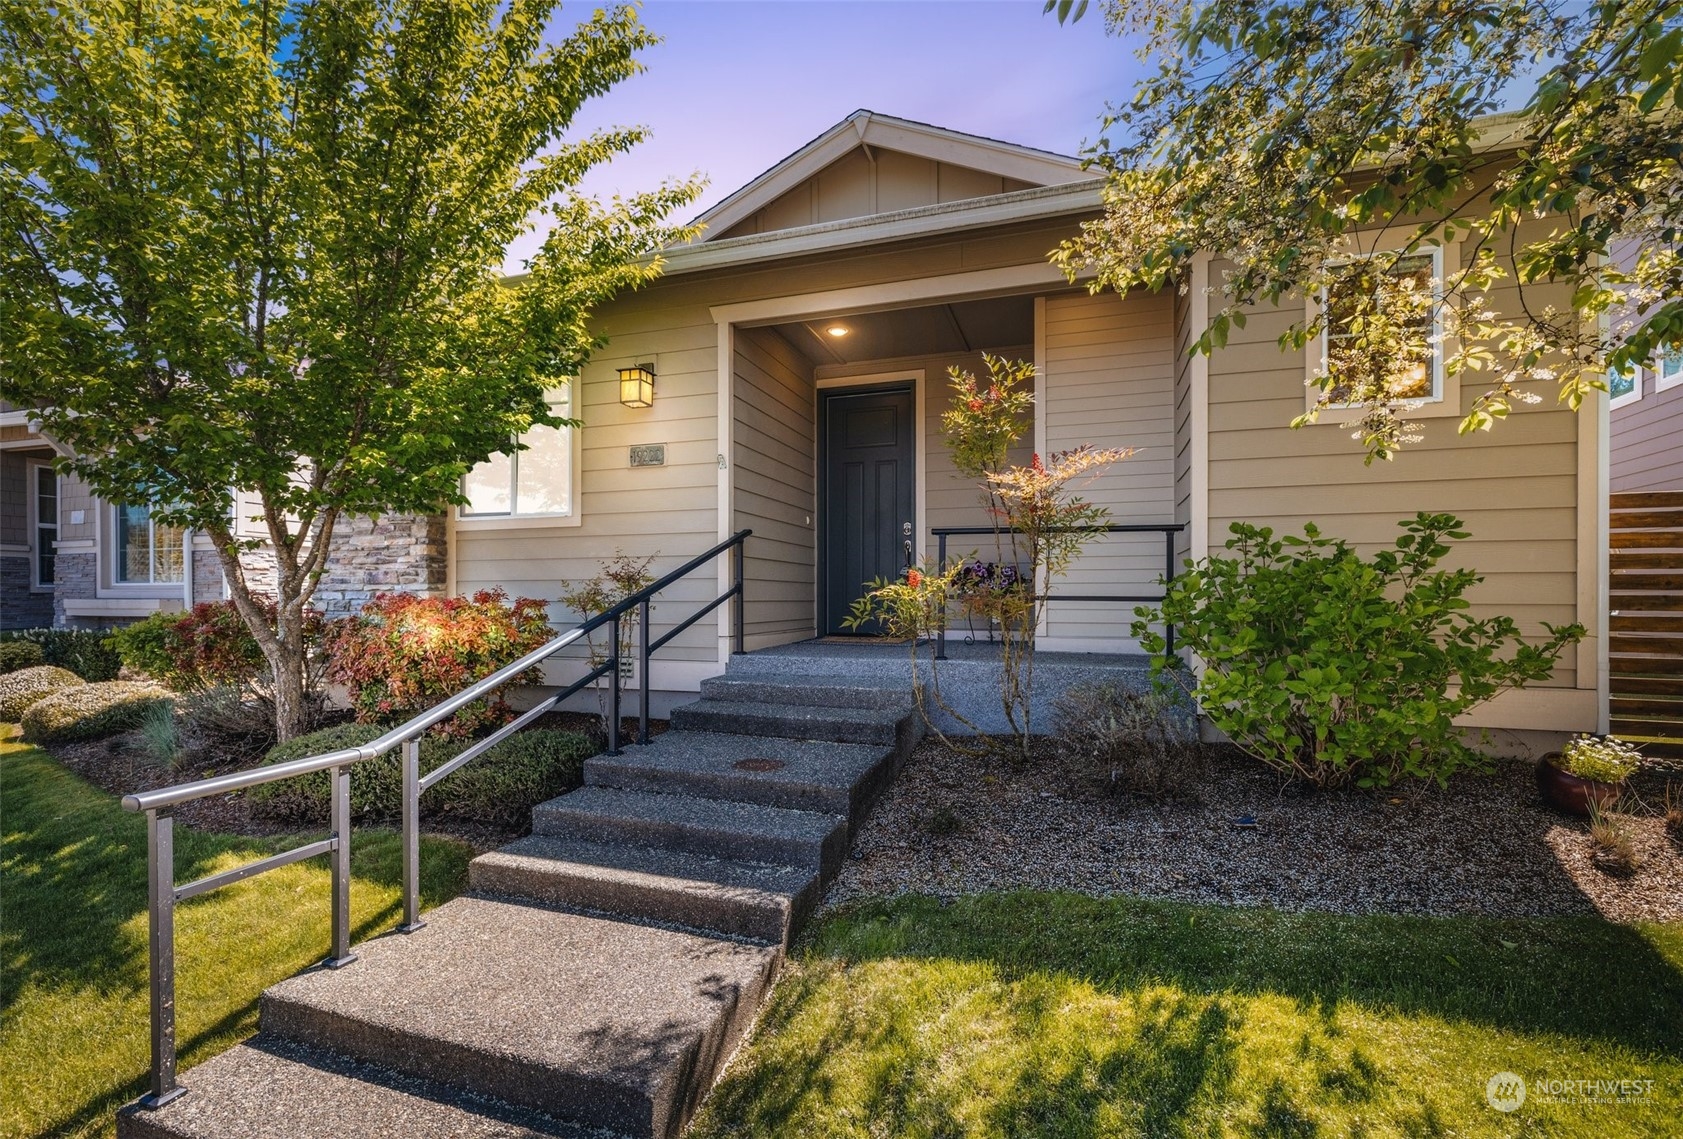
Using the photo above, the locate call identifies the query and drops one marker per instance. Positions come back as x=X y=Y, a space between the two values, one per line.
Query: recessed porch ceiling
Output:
x=961 y=326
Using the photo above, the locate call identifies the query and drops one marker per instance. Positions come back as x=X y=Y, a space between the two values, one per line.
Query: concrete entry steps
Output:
x=600 y=971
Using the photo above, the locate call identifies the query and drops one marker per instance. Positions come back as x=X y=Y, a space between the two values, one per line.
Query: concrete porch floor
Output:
x=969 y=677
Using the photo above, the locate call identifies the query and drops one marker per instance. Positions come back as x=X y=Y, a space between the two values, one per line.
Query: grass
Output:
x=73 y=983
x=1044 y=1014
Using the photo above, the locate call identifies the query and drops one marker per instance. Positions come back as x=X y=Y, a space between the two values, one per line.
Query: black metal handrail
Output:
x=163 y=892
x=1167 y=529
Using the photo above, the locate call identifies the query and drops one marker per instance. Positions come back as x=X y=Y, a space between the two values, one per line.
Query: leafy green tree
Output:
x=255 y=246
x=1271 y=132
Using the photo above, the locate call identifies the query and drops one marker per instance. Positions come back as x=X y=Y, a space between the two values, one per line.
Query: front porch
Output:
x=969 y=677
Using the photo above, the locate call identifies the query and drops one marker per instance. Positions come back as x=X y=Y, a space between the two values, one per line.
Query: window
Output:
x=1425 y=270
x=147 y=552
x=43 y=490
x=1668 y=370
x=537 y=481
x=1624 y=387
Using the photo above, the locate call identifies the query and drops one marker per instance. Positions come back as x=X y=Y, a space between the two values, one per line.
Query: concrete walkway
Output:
x=600 y=972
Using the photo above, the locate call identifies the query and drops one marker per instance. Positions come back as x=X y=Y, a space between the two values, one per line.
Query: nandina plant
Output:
x=1040 y=522
x=404 y=653
x=207 y=646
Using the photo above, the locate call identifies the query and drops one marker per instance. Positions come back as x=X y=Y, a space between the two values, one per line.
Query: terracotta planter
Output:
x=1571 y=793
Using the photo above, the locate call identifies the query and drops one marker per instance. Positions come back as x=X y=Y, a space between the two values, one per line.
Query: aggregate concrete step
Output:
x=737 y=899
x=746 y=832
x=890 y=727
x=812 y=691
x=804 y=775
x=272 y=1088
x=596 y=1022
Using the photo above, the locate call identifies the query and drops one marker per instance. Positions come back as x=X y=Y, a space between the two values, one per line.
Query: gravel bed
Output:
x=956 y=824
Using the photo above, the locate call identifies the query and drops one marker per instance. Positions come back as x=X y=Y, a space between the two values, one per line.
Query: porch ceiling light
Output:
x=837 y=330
x=636 y=385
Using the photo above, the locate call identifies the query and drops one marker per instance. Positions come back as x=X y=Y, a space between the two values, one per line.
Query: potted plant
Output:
x=1589 y=772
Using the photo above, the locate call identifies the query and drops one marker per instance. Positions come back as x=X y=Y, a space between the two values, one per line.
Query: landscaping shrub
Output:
x=230 y=715
x=405 y=653
x=86 y=652
x=1143 y=742
x=91 y=711
x=17 y=655
x=500 y=787
x=1337 y=669
x=19 y=690
x=206 y=646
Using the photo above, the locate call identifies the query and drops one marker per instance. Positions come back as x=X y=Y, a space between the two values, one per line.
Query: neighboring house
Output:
x=29 y=492
x=73 y=560
x=799 y=353
x=1647 y=428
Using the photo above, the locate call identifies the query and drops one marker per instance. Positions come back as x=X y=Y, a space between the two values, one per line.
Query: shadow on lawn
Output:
x=1522 y=975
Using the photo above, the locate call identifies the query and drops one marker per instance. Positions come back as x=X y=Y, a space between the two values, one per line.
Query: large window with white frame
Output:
x=43 y=524
x=1341 y=303
x=534 y=482
x=146 y=551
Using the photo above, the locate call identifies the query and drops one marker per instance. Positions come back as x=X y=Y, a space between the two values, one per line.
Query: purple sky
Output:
x=739 y=84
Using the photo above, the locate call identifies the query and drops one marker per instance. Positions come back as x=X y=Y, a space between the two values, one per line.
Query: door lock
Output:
x=906 y=529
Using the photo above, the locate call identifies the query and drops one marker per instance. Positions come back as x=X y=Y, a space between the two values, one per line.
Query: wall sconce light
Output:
x=636 y=385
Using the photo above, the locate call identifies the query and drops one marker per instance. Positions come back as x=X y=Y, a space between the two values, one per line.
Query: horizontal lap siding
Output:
x=776 y=485
x=668 y=511
x=1647 y=440
x=1516 y=487
x=1110 y=381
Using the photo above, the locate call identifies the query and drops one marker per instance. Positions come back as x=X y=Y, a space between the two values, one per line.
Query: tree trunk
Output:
x=280 y=638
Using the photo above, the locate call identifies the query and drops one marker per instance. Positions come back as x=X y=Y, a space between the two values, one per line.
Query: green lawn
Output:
x=1057 y=1015
x=73 y=995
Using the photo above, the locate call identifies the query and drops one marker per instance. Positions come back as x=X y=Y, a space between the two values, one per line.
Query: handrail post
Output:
x=1168 y=576
x=160 y=920
x=643 y=672
x=941 y=621
x=613 y=681
x=411 y=837
x=340 y=861
x=738 y=559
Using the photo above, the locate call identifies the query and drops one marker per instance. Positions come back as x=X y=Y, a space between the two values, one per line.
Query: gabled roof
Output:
x=876 y=131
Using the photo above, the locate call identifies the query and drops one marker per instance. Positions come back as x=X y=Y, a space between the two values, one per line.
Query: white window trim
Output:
x=32 y=471
x=109 y=584
x=574 y=515
x=1446 y=389
x=1662 y=382
x=1634 y=395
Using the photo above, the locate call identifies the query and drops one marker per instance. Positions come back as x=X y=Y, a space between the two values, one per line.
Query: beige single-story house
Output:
x=799 y=352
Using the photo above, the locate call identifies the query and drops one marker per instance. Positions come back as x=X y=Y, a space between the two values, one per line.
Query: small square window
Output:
x=1624 y=388
x=1668 y=370
x=148 y=552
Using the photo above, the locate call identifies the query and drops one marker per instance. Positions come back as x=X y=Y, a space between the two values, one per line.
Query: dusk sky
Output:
x=739 y=84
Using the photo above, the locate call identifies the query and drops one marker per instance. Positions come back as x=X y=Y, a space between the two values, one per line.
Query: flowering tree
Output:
x=257 y=247
x=1279 y=133
x=1039 y=522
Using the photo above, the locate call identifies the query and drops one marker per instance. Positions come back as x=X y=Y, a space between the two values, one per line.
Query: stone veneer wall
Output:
x=382 y=555
x=74 y=576
x=20 y=606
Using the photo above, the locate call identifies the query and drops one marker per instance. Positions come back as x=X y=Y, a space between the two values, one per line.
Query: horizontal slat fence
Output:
x=1646 y=634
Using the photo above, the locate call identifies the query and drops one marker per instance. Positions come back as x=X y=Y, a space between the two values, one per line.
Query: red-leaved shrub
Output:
x=206 y=646
x=405 y=653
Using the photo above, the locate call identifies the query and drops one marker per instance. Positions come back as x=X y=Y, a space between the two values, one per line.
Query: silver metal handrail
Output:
x=163 y=893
